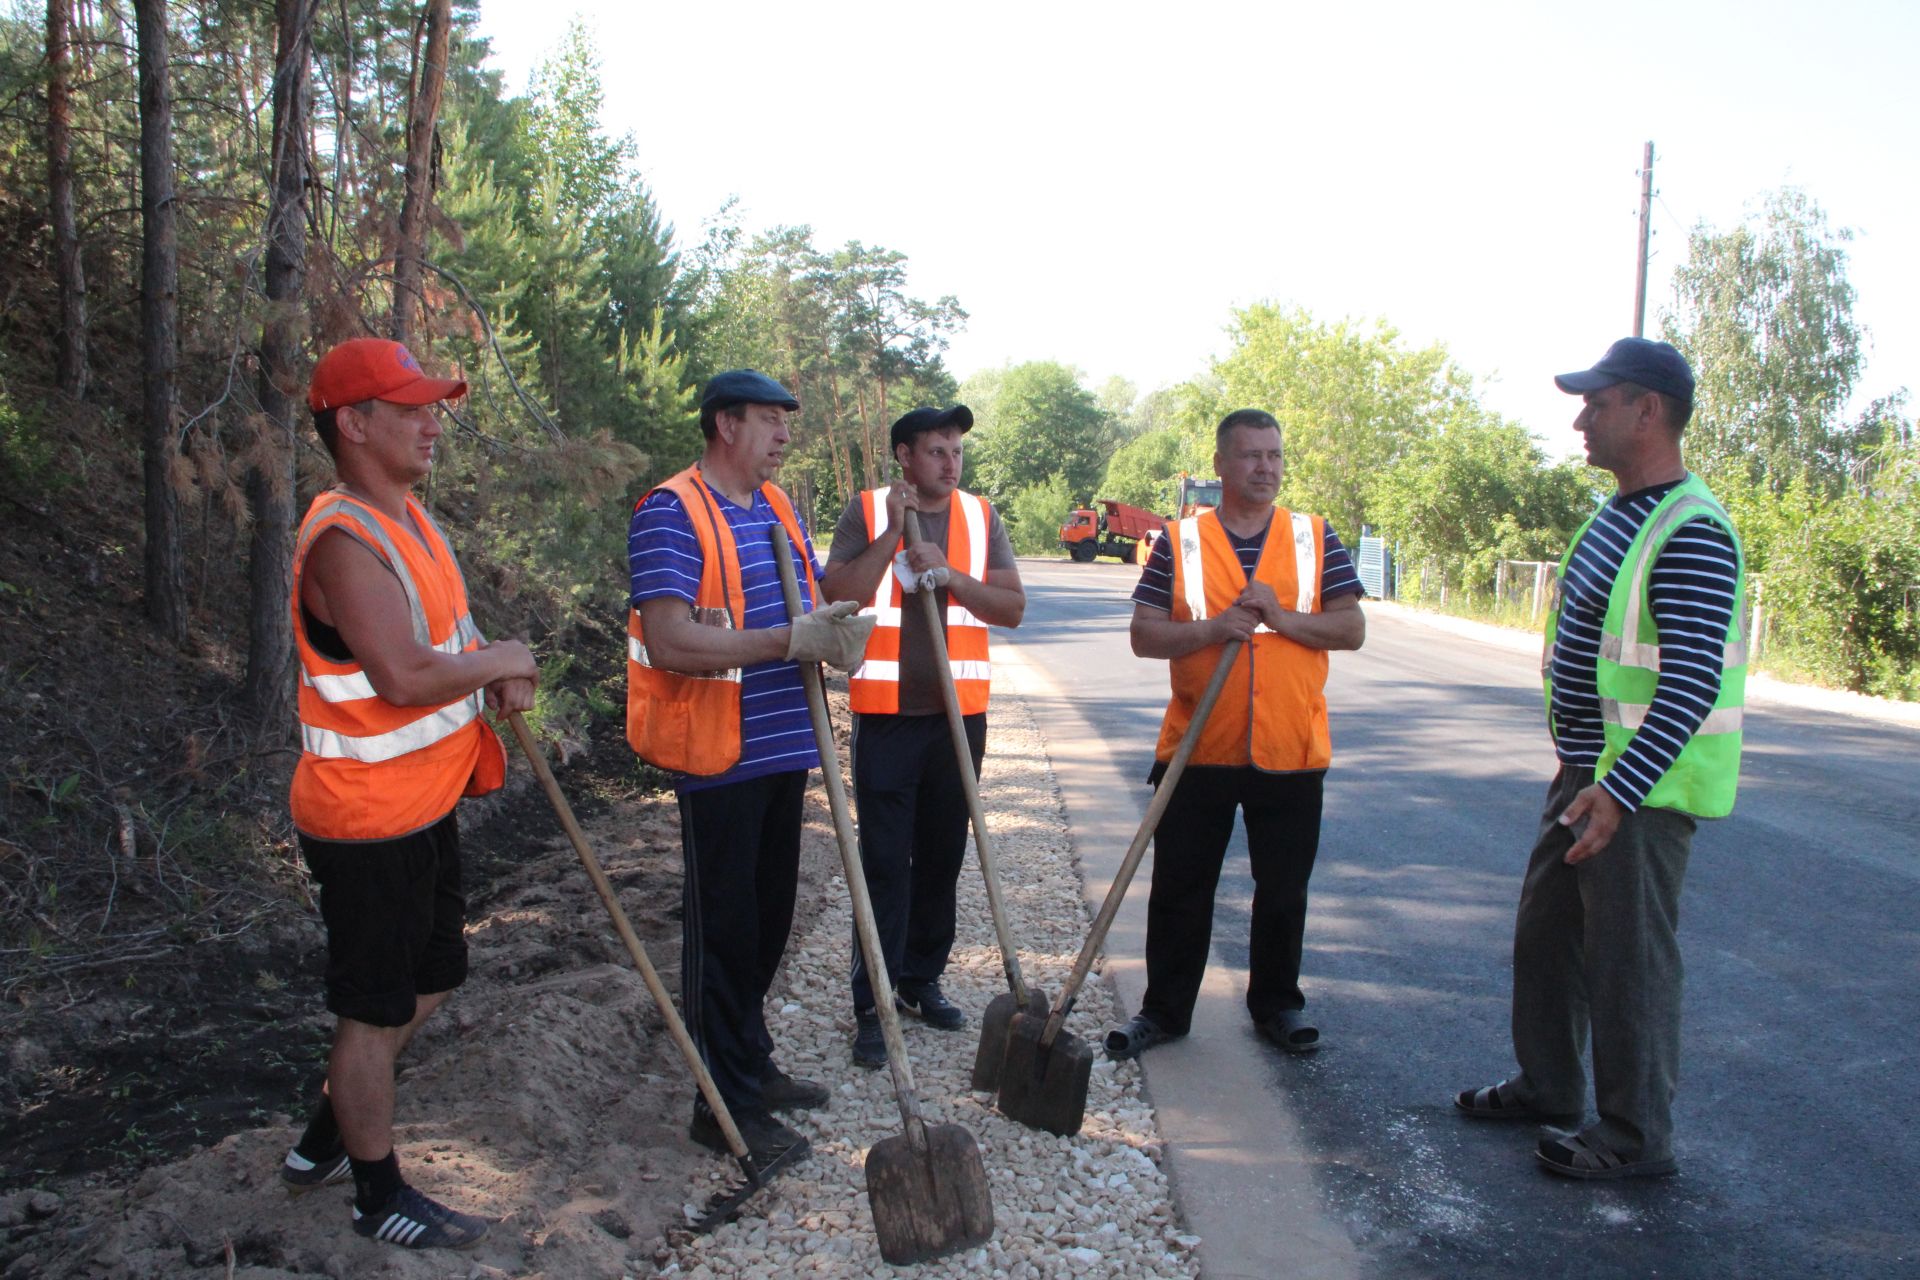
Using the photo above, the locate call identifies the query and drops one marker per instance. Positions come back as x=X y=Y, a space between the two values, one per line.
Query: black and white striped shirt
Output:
x=1690 y=590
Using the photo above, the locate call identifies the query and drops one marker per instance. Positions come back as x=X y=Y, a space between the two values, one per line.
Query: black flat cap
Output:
x=909 y=425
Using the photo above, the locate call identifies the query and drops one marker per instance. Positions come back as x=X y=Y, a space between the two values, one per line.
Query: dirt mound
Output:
x=546 y=1095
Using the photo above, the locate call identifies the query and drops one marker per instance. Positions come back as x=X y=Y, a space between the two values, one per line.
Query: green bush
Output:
x=27 y=453
x=1035 y=515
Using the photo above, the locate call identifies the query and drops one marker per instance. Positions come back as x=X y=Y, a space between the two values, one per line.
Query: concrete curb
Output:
x=1237 y=1162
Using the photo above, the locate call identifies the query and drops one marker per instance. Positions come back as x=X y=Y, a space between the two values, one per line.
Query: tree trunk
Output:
x=343 y=169
x=71 y=342
x=159 y=338
x=842 y=458
x=424 y=111
x=869 y=469
x=270 y=478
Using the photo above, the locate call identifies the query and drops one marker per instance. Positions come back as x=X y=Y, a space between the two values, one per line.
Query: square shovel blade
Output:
x=994 y=1024
x=1042 y=1086
x=928 y=1203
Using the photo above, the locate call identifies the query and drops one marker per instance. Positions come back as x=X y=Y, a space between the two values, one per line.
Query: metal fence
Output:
x=1375 y=567
x=1524 y=585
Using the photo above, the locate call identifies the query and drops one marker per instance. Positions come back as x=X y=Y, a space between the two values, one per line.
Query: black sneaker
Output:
x=301 y=1174
x=869 y=1043
x=767 y=1139
x=413 y=1221
x=933 y=1008
x=782 y=1092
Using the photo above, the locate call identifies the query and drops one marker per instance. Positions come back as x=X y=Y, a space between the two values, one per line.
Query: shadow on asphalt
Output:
x=1798 y=1052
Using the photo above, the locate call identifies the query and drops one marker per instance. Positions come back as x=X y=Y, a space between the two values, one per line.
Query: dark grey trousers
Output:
x=913 y=839
x=1596 y=948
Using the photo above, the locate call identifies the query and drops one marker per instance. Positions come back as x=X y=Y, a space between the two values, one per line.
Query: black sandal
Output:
x=1140 y=1033
x=1291 y=1030
x=1580 y=1156
x=1497 y=1102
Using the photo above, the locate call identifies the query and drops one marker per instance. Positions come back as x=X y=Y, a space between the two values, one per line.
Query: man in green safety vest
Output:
x=1645 y=674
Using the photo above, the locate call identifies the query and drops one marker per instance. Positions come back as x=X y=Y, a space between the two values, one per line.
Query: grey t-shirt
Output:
x=919 y=681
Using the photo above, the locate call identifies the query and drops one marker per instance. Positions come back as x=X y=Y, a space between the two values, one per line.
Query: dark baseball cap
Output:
x=745 y=386
x=1657 y=366
x=909 y=425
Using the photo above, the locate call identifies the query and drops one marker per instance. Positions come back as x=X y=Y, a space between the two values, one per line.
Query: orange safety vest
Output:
x=1272 y=711
x=690 y=723
x=370 y=770
x=874 y=685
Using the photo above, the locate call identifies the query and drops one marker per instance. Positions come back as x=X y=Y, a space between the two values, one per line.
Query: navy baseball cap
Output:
x=744 y=386
x=1657 y=366
x=919 y=421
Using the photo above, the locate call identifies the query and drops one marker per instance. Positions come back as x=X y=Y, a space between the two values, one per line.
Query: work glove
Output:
x=836 y=635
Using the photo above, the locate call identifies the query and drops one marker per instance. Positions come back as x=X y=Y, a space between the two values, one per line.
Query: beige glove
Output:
x=835 y=634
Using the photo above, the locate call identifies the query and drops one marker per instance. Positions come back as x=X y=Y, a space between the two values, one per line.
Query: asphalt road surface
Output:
x=1800 y=928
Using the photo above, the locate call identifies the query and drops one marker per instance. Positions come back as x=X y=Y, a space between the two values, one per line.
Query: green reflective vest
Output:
x=1702 y=780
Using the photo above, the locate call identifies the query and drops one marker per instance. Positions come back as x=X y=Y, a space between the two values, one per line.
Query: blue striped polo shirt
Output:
x=1690 y=594
x=663 y=557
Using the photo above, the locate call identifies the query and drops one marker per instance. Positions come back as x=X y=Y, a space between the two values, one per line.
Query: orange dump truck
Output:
x=1126 y=532
x=1109 y=528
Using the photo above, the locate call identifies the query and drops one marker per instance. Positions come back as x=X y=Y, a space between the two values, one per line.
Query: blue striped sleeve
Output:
x=1155 y=588
x=663 y=556
x=1690 y=590
x=1338 y=577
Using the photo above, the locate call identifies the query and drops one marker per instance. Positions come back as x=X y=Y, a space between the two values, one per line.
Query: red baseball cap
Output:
x=375 y=369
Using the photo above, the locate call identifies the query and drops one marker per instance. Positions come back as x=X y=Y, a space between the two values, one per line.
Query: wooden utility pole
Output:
x=1646 y=233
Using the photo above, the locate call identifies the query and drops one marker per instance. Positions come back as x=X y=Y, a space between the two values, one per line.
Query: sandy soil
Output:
x=549 y=1097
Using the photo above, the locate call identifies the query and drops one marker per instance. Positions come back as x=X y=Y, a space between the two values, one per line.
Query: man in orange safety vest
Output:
x=1280 y=582
x=393 y=675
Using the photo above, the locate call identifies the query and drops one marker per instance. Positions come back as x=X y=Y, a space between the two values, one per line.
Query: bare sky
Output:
x=1102 y=183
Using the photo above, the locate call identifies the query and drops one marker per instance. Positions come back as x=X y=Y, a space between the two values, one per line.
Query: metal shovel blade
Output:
x=932 y=1202
x=1045 y=1086
x=994 y=1024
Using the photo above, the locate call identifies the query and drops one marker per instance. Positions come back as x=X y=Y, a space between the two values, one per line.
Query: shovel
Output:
x=725 y=1206
x=1043 y=1081
x=1019 y=998
x=928 y=1185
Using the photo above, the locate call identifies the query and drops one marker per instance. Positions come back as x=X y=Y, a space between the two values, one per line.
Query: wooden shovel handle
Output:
x=963 y=757
x=1162 y=794
x=856 y=875
x=675 y=1027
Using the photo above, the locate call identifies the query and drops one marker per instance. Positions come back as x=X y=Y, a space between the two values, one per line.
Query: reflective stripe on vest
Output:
x=637 y=651
x=373 y=748
x=352 y=688
x=1272 y=712
x=1306 y=568
x=874 y=685
x=689 y=722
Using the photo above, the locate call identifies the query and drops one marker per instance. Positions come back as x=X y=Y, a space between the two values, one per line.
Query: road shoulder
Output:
x=1240 y=1171
x=1760 y=686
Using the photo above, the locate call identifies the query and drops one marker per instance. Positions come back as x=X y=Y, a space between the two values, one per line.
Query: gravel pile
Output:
x=1094 y=1204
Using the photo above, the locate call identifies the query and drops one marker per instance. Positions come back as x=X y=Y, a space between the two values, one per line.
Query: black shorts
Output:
x=396 y=920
